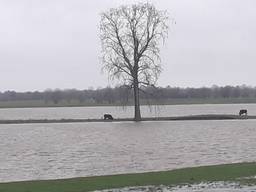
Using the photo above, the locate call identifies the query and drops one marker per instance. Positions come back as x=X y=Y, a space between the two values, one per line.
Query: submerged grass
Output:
x=241 y=172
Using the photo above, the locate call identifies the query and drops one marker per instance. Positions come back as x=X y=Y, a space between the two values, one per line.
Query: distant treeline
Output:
x=123 y=94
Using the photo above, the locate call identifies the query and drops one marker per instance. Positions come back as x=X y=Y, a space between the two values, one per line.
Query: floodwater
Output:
x=51 y=151
x=120 y=112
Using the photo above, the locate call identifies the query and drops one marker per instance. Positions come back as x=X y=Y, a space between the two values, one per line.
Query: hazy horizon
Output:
x=55 y=44
x=114 y=86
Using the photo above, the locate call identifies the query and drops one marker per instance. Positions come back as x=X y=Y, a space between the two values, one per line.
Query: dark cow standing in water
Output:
x=243 y=111
x=108 y=117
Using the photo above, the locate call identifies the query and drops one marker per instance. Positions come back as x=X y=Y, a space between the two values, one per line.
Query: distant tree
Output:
x=47 y=95
x=56 y=96
x=130 y=37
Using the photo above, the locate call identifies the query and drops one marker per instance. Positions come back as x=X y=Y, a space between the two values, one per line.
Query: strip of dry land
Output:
x=178 y=118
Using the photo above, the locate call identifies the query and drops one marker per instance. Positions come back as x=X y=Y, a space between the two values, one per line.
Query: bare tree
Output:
x=130 y=37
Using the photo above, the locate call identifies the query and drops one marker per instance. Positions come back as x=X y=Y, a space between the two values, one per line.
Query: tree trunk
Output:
x=137 y=115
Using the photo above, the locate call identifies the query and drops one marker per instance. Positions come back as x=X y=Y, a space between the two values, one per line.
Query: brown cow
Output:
x=108 y=117
x=243 y=111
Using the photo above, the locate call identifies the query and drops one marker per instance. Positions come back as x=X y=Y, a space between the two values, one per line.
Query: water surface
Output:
x=50 y=151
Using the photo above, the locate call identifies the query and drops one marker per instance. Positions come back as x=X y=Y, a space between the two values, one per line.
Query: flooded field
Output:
x=51 y=151
x=202 y=187
x=120 y=112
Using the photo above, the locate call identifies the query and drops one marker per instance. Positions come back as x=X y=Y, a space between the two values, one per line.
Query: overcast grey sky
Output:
x=55 y=43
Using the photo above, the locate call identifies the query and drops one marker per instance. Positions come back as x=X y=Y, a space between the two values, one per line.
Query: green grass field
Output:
x=229 y=172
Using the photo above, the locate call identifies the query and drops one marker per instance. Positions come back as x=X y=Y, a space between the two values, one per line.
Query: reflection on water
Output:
x=120 y=112
x=47 y=151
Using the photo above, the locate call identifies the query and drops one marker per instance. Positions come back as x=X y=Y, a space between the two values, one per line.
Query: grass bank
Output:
x=178 y=118
x=229 y=172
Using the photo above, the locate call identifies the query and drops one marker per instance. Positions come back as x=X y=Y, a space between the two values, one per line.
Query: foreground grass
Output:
x=229 y=172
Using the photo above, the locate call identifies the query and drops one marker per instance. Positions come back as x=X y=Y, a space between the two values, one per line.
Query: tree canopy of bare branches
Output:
x=131 y=37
